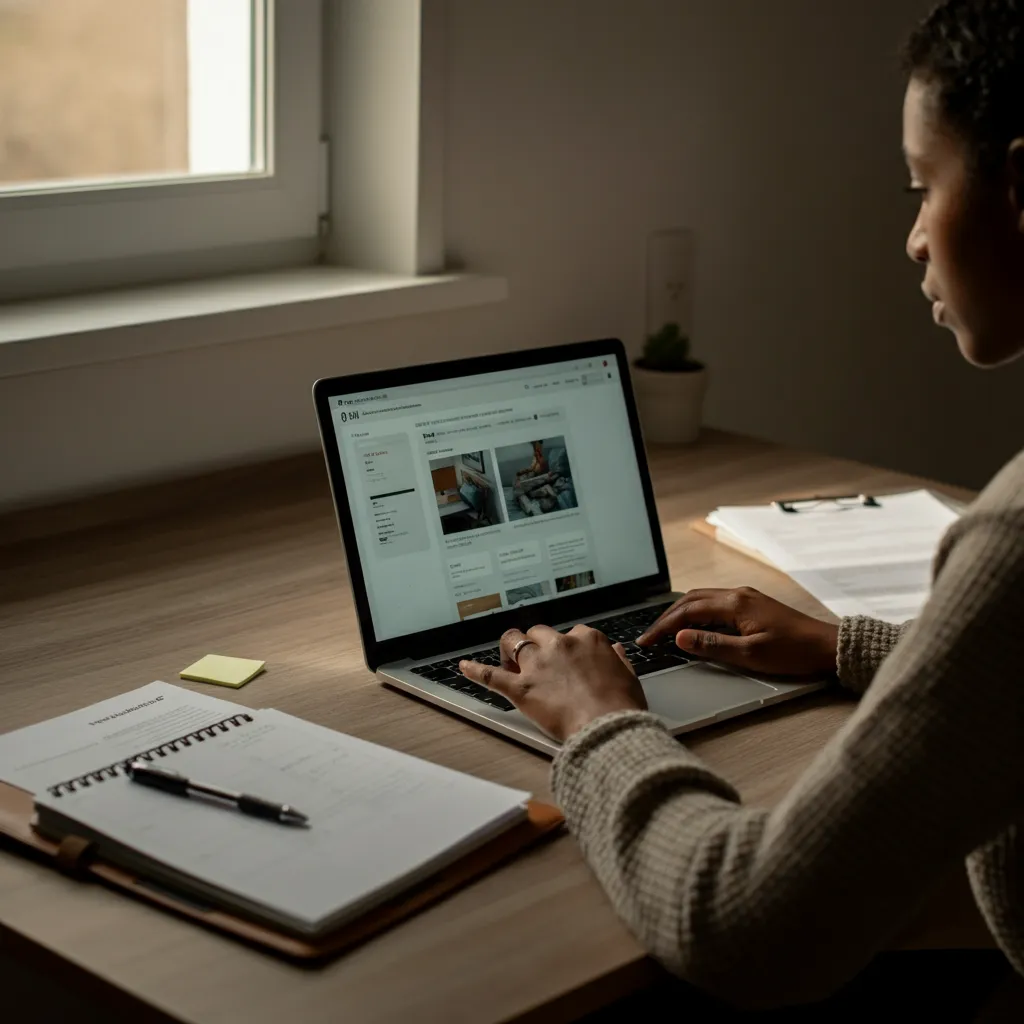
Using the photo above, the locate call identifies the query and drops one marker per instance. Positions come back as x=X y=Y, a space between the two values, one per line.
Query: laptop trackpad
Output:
x=701 y=691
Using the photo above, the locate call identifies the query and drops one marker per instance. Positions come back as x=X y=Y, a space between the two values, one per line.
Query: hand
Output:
x=757 y=633
x=562 y=681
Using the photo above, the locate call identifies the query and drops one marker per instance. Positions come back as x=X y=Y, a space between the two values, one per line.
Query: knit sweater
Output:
x=769 y=907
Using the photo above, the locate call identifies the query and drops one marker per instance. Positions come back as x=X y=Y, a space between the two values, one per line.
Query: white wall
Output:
x=576 y=127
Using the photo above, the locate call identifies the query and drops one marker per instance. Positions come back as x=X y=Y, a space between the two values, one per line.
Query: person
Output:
x=538 y=467
x=778 y=907
x=533 y=489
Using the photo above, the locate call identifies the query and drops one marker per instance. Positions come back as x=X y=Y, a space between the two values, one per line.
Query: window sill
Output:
x=55 y=333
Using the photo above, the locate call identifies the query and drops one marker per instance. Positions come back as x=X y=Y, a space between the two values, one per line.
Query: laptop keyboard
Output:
x=623 y=629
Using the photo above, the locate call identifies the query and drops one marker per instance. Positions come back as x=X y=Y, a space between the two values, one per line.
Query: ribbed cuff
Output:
x=614 y=754
x=605 y=725
x=864 y=643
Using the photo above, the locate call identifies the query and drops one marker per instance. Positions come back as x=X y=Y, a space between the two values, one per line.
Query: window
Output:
x=138 y=134
x=117 y=91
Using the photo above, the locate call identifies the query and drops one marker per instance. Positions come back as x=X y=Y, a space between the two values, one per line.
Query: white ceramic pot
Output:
x=670 y=404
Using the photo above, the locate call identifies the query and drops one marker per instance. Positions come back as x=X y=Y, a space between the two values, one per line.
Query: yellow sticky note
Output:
x=216 y=668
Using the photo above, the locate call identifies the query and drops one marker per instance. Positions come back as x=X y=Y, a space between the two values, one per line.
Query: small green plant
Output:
x=669 y=350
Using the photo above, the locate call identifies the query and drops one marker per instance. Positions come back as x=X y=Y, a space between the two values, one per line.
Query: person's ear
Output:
x=1015 y=166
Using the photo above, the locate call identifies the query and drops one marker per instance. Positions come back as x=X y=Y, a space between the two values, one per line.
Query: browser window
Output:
x=474 y=495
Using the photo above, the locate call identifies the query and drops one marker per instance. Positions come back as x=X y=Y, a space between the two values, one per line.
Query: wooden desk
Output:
x=102 y=596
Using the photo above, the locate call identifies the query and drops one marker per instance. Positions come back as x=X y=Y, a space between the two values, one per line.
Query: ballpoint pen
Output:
x=180 y=785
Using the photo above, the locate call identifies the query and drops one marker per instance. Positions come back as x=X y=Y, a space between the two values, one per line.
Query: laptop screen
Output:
x=475 y=495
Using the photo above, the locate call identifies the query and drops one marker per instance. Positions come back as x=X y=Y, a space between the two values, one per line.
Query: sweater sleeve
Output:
x=864 y=643
x=771 y=907
x=996 y=872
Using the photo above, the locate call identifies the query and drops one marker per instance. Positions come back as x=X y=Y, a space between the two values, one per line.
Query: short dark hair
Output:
x=972 y=53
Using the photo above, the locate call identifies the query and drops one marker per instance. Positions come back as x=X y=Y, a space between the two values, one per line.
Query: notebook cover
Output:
x=17 y=812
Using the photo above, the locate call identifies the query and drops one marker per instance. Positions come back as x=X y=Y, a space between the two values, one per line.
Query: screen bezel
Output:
x=485 y=630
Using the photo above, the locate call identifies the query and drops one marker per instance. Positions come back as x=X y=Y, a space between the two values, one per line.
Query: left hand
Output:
x=562 y=681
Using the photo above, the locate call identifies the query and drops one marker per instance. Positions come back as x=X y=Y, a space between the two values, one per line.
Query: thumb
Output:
x=722 y=647
x=621 y=652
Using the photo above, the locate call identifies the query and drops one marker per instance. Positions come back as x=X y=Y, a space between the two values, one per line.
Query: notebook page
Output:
x=377 y=816
x=89 y=739
x=856 y=560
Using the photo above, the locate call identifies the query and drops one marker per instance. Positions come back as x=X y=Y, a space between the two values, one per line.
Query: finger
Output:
x=506 y=646
x=699 y=593
x=582 y=632
x=721 y=647
x=711 y=606
x=621 y=652
x=510 y=639
x=498 y=679
x=654 y=630
x=542 y=634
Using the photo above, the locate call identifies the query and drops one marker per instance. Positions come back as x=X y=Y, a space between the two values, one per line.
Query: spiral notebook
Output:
x=382 y=822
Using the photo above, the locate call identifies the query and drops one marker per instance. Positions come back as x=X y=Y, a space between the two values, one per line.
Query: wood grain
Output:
x=121 y=590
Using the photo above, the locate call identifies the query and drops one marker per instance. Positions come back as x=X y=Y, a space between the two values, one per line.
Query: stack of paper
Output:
x=855 y=559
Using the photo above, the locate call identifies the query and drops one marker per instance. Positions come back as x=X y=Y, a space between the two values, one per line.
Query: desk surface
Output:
x=105 y=595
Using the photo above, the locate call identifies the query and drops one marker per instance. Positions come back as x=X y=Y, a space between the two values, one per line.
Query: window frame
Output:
x=385 y=253
x=99 y=236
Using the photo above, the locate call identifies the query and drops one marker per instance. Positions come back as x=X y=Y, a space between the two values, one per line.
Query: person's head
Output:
x=963 y=135
x=538 y=447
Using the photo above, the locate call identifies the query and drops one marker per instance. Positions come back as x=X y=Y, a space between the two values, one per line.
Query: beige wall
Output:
x=574 y=128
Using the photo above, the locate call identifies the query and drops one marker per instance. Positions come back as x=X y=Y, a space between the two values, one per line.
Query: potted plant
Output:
x=669 y=388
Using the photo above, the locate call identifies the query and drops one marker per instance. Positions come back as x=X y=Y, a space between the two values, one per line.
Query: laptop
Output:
x=506 y=491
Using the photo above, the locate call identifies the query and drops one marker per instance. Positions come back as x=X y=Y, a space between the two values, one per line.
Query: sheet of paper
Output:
x=856 y=560
x=112 y=730
x=377 y=817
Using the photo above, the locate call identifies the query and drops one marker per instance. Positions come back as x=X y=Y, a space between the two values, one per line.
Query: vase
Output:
x=670 y=404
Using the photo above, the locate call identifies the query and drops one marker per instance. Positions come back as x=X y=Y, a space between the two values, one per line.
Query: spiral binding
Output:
x=111 y=771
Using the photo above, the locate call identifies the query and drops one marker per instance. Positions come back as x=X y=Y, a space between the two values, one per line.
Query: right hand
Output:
x=747 y=630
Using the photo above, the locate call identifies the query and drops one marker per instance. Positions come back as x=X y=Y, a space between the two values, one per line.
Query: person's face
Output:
x=969 y=234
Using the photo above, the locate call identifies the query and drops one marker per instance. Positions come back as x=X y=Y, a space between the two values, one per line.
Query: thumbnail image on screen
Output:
x=576 y=581
x=536 y=478
x=466 y=492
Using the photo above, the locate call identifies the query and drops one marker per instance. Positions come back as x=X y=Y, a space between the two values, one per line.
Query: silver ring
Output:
x=519 y=646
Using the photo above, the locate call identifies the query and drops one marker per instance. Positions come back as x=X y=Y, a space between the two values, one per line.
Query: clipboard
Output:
x=790 y=506
x=795 y=506
x=73 y=857
x=726 y=539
